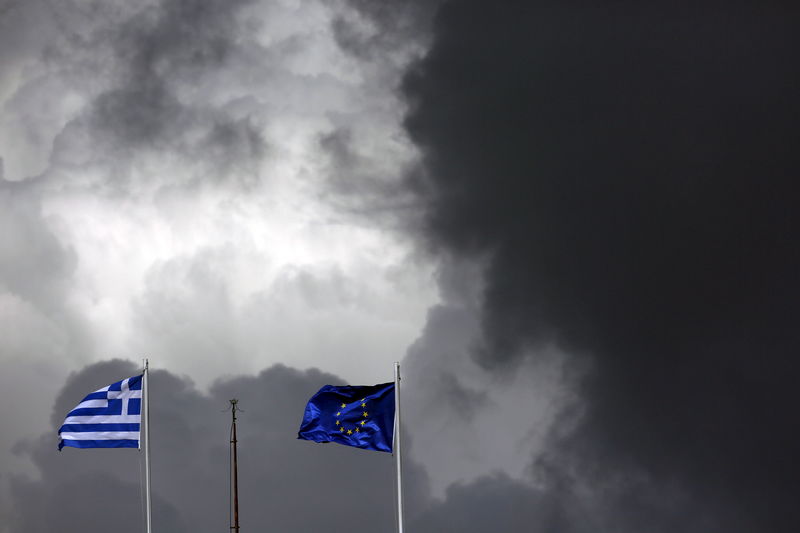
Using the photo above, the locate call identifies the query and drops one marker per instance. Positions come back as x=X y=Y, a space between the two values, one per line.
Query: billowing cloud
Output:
x=604 y=194
x=625 y=172
x=166 y=194
x=468 y=423
x=38 y=325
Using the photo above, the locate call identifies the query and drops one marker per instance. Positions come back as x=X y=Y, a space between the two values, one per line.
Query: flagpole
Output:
x=235 y=526
x=146 y=394
x=397 y=447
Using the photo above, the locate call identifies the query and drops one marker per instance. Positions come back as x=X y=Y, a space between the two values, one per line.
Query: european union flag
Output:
x=360 y=416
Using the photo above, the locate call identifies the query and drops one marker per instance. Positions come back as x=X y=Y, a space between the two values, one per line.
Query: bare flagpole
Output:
x=146 y=394
x=396 y=447
x=235 y=526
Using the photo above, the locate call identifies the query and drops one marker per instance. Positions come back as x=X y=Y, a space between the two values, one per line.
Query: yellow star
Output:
x=357 y=430
x=337 y=414
x=337 y=422
x=349 y=431
x=365 y=413
x=341 y=428
x=363 y=399
x=344 y=405
x=363 y=422
x=363 y=404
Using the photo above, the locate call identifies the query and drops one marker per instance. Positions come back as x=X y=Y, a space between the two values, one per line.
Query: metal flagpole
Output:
x=235 y=526
x=396 y=447
x=146 y=394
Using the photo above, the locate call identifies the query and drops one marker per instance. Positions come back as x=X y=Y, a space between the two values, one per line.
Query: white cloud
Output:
x=178 y=177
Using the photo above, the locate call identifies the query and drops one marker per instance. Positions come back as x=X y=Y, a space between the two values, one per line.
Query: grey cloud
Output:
x=192 y=307
x=38 y=328
x=558 y=502
x=132 y=82
x=372 y=30
x=500 y=503
x=447 y=336
x=34 y=265
x=363 y=185
x=364 y=166
x=36 y=273
x=69 y=506
x=161 y=50
x=624 y=172
x=469 y=422
x=169 y=93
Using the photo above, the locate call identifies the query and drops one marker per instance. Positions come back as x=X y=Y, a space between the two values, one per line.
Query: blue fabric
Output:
x=135 y=406
x=114 y=407
x=117 y=443
x=359 y=416
x=94 y=428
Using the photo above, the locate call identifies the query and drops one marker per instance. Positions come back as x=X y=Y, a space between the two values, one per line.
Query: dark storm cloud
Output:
x=628 y=170
x=284 y=484
x=160 y=53
x=499 y=503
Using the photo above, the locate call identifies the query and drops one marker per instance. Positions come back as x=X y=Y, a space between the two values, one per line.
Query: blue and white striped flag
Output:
x=107 y=418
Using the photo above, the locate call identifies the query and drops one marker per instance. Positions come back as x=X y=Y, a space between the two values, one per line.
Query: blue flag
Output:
x=107 y=418
x=360 y=416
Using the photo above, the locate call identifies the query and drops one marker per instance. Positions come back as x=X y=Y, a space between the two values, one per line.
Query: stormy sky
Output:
x=573 y=222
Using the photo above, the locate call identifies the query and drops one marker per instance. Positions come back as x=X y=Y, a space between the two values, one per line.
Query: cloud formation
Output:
x=606 y=191
x=182 y=131
x=165 y=193
x=625 y=172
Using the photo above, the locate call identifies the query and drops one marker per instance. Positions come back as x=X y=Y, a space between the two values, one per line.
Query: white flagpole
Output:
x=397 y=447
x=146 y=394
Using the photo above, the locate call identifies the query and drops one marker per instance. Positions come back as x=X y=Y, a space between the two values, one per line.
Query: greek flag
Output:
x=107 y=418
